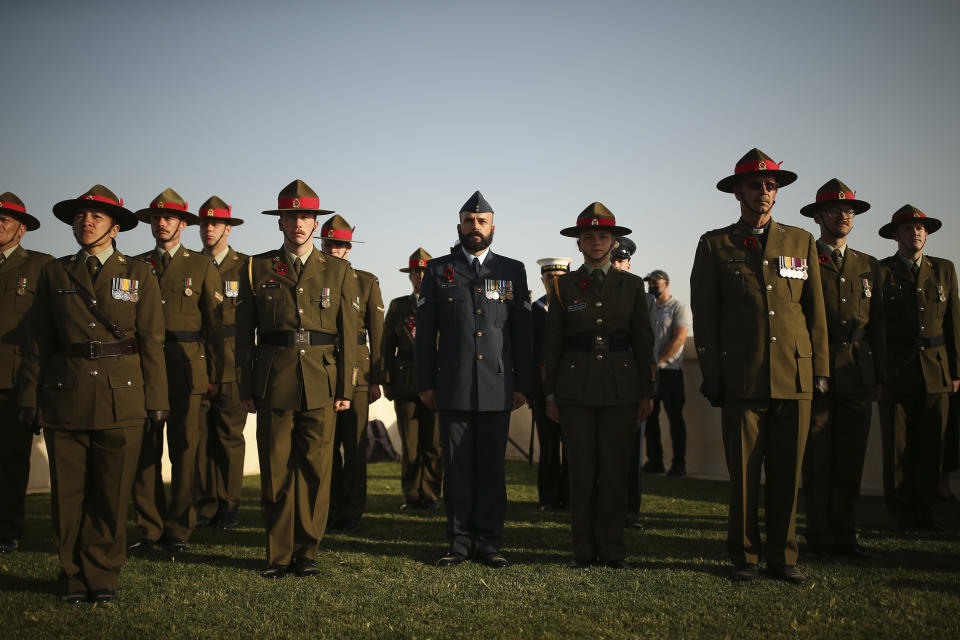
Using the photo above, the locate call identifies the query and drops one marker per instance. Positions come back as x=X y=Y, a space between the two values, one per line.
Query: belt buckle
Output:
x=601 y=345
x=301 y=338
x=94 y=349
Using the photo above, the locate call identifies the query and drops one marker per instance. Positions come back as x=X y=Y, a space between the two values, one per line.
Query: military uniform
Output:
x=293 y=375
x=421 y=463
x=192 y=300
x=598 y=366
x=94 y=385
x=922 y=321
x=760 y=330
x=19 y=274
x=473 y=349
x=840 y=421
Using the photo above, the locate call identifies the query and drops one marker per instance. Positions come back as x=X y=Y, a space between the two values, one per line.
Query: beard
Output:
x=475 y=241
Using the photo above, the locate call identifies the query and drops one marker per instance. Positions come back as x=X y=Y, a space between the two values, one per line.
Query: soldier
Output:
x=598 y=376
x=473 y=362
x=19 y=273
x=840 y=421
x=348 y=484
x=96 y=373
x=192 y=298
x=222 y=419
x=922 y=369
x=299 y=304
x=622 y=253
x=421 y=464
x=761 y=336
x=553 y=474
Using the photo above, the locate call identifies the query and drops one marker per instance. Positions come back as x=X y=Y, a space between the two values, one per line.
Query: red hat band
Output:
x=298 y=203
x=103 y=199
x=836 y=195
x=596 y=222
x=215 y=213
x=338 y=234
x=908 y=215
x=757 y=165
x=159 y=204
x=417 y=264
x=13 y=205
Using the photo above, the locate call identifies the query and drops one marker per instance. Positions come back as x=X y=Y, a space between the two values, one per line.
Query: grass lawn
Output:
x=382 y=582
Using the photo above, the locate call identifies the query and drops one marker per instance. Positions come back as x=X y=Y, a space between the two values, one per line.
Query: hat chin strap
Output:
x=298 y=244
x=95 y=242
x=220 y=238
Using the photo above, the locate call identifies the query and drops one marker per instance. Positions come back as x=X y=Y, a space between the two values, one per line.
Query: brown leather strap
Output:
x=96 y=349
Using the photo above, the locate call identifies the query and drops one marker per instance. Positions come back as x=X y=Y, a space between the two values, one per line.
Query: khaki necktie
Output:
x=837 y=258
x=93 y=268
x=165 y=260
x=598 y=277
x=914 y=269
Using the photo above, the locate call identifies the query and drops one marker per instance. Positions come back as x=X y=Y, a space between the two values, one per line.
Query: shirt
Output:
x=663 y=318
x=103 y=256
x=481 y=256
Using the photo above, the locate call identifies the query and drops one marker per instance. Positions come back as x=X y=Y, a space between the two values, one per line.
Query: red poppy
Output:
x=153 y=262
x=584 y=284
x=412 y=326
x=750 y=242
x=448 y=274
x=823 y=258
x=281 y=269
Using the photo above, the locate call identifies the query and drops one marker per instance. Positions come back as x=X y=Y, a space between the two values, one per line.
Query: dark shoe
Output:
x=176 y=545
x=430 y=505
x=577 y=563
x=141 y=546
x=409 y=506
x=103 y=596
x=746 y=572
x=304 y=567
x=273 y=572
x=677 y=471
x=350 y=525
x=651 y=466
x=618 y=564
x=634 y=523
x=819 y=551
x=204 y=521
x=852 y=550
x=8 y=545
x=787 y=573
x=77 y=597
x=452 y=559
x=494 y=561
x=228 y=521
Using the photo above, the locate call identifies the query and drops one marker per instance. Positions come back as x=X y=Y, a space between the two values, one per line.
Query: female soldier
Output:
x=598 y=375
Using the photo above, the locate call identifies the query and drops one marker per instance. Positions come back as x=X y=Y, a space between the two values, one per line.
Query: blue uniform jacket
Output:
x=473 y=342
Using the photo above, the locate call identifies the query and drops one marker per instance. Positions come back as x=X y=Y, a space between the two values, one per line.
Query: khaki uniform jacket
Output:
x=230 y=274
x=370 y=301
x=105 y=393
x=19 y=276
x=924 y=309
x=192 y=299
x=855 y=324
x=581 y=313
x=272 y=299
x=398 y=346
x=763 y=333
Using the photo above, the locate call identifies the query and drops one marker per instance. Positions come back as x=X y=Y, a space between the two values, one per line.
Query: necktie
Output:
x=93 y=267
x=165 y=260
x=476 y=266
x=837 y=258
x=597 y=276
x=914 y=269
x=3 y=259
x=298 y=267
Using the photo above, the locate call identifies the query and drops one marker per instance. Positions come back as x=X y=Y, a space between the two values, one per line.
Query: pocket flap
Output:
x=122 y=380
x=804 y=348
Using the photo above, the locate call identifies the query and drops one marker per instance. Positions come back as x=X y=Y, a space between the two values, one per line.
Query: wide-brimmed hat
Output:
x=756 y=162
x=554 y=264
x=595 y=216
x=835 y=193
x=476 y=204
x=909 y=213
x=418 y=260
x=624 y=248
x=338 y=229
x=216 y=210
x=297 y=197
x=168 y=203
x=98 y=197
x=11 y=205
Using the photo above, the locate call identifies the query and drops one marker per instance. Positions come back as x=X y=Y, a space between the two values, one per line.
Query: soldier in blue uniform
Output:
x=473 y=362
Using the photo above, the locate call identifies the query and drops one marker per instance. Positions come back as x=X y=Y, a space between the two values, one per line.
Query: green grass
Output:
x=382 y=582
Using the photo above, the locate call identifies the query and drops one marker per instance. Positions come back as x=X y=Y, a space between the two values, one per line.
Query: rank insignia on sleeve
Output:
x=218 y=296
x=125 y=289
x=421 y=301
x=355 y=303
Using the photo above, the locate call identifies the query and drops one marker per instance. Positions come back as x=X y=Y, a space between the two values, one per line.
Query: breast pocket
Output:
x=22 y=297
x=271 y=305
x=451 y=305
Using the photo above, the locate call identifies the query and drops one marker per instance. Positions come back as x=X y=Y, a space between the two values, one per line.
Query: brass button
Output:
x=59 y=385
x=766 y=262
x=94 y=324
x=598 y=304
x=599 y=356
x=599 y=320
x=300 y=311
x=479 y=356
x=479 y=290
x=302 y=351
x=921 y=309
x=919 y=290
x=773 y=338
x=479 y=312
x=162 y=301
x=772 y=312
x=843 y=299
x=449 y=299
x=479 y=334
x=769 y=287
x=129 y=383
x=203 y=355
x=842 y=279
x=94 y=372
x=300 y=290
x=843 y=322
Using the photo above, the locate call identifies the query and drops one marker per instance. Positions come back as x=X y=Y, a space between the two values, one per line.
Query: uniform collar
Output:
x=469 y=256
x=103 y=256
x=172 y=252
x=9 y=252
x=605 y=267
x=292 y=257
x=908 y=262
x=828 y=249
x=220 y=257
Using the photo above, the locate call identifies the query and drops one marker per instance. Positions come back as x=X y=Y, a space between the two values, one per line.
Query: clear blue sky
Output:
x=395 y=112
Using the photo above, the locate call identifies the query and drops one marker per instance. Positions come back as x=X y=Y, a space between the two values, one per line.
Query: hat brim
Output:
x=574 y=232
x=932 y=224
x=339 y=240
x=858 y=206
x=123 y=217
x=27 y=220
x=233 y=222
x=783 y=178
x=277 y=212
x=144 y=215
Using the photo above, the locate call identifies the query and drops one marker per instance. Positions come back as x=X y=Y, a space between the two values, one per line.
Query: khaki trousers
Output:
x=421 y=459
x=220 y=452
x=348 y=483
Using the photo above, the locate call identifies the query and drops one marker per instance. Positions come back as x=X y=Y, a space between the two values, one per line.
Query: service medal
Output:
x=21 y=286
x=188 y=292
x=325 y=297
x=231 y=288
x=134 y=296
x=943 y=297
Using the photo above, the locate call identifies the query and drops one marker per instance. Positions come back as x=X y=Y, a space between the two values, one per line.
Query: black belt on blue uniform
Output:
x=916 y=343
x=296 y=339
x=183 y=336
x=856 y=336
x=598 y=343
x=96 y=349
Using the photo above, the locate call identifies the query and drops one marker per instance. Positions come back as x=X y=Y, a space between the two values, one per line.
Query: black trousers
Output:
x=474 y=487
x=14 y=465
x=670 y=395
x=553 y=475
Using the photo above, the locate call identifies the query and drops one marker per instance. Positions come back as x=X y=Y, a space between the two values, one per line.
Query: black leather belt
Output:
x=183 y=336
x=916 y=343
x=96 y=349
x=362 y=339
x=230 y=332
x=598 y=343
x=856 y=336
x=296 y=339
